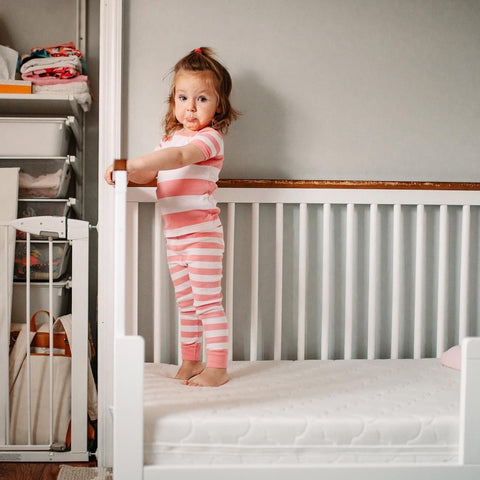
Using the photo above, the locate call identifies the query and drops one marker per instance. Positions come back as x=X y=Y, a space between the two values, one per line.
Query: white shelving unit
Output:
x=38 y=104
x=43 y=107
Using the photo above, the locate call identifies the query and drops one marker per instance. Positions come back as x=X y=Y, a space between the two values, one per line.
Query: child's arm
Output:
x=144 y=169
x=165 y=159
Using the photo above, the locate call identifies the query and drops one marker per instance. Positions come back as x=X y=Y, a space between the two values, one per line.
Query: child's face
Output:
x=196 y=100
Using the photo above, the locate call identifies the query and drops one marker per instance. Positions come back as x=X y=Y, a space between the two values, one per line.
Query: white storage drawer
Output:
x=39 y=260
x=40 y=208
x=42 y=177
x=39 y=299
x=34 y=136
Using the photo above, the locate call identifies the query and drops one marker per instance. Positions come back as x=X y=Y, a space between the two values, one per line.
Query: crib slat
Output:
x=396 y=280
x=326 y=282
x=229 y=260
x=131 y=300
x=277 y=347
x=419 y=280
x=254 y=281
x=464 y=265
x=372 y=281
x=204 y=347
x=157 y=285
x=442 y=279
x=302 y=283
x=349 y=270
x=120 y=238
x=179 y=341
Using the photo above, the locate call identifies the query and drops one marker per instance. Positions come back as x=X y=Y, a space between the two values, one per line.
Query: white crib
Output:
x=364 y=274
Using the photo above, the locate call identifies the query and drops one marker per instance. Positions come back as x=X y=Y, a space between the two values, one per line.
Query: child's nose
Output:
x=191 y=105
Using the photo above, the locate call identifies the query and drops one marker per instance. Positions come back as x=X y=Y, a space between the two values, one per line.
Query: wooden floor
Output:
x=35 y=471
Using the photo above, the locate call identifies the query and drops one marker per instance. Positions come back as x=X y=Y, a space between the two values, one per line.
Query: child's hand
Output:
x=109 y=175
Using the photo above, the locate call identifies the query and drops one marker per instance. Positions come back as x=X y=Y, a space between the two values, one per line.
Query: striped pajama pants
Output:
x=195 y=264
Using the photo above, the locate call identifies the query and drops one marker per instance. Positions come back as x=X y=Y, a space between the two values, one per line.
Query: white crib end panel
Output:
x=128 y=411
x=469 y=442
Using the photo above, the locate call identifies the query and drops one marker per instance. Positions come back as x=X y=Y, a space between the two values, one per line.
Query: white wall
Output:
x=336 y=89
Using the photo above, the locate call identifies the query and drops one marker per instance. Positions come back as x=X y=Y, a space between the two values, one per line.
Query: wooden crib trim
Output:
x=339 y=184
x=332 y=196
x=350 y=184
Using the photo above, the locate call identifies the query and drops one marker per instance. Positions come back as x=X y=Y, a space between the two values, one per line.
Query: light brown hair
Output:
x=202 y=60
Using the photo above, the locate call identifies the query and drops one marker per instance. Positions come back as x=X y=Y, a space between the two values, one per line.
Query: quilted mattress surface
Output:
x=311 y=411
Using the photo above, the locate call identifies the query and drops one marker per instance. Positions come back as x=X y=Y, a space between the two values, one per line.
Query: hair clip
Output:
x=198 y=50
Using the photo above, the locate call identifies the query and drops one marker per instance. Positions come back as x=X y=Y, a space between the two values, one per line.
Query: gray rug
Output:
x=84 y=473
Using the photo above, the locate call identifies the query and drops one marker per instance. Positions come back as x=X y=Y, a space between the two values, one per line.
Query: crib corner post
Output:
x=469 y=441
x=128 y=408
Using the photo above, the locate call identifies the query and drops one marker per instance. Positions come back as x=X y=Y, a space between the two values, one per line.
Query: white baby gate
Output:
x=76 y=232
x=360 y=207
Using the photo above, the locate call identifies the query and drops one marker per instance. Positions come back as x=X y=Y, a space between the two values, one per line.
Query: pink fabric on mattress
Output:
x=452 y=358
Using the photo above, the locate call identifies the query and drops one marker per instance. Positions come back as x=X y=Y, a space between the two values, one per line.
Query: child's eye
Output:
x=182 y=98
x=202 y=99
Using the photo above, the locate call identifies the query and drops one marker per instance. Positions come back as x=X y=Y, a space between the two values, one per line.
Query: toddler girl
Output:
x=187 y=163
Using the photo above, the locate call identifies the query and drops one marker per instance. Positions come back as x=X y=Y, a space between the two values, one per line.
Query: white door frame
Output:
x=110 y=129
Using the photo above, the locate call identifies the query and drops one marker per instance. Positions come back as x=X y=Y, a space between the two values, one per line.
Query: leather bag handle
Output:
x=33 y=320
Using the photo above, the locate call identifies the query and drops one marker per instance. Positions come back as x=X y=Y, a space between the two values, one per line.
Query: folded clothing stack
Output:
x=58 y=69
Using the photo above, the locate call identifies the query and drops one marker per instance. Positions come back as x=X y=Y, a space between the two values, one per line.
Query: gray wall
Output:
x=25 y=23
x=335 y=89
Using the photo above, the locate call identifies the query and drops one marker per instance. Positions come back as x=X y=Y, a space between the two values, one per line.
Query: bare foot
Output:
x=210 y=377
x=189 y=369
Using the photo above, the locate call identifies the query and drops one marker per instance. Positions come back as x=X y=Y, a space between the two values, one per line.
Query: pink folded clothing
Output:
x=58 y=68
x=53 y=65
x=60 y=73
x=36 y=65
x=53 y=80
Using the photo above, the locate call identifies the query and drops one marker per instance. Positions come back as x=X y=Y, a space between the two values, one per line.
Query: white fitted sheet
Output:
x=349 y=411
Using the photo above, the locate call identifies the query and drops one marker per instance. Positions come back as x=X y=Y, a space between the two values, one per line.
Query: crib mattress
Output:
x=343 y=411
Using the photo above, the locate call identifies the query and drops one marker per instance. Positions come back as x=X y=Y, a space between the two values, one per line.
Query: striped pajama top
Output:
x=186 y=194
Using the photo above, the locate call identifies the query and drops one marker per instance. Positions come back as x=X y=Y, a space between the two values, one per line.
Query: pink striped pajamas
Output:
x=195 y=246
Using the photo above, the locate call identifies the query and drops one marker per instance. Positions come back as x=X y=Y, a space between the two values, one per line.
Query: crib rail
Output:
x=389 y=266
x=76 y=232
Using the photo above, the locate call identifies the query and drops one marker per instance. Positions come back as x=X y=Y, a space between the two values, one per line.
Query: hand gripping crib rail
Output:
x=360 y=207
x=76 y=232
